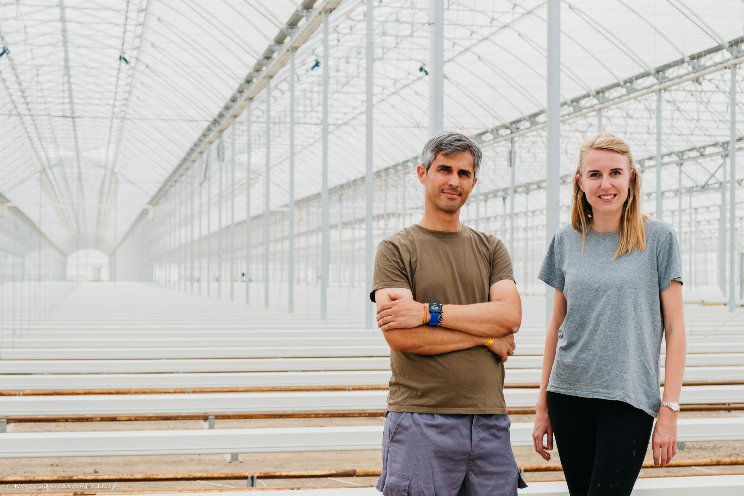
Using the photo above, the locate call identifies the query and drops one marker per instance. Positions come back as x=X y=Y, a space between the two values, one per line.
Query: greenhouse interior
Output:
x=192 y=195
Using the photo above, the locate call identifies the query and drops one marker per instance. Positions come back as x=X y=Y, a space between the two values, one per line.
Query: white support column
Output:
x=220 y=202
x=113 y=273
x=659 y=192
x=554 y=132
x=182 y=238
x=231 y=275
x=436 y=66
x=165 y=243
x=369 y=187
x=690 y=252
x=209 y=222
x=176 y=237
x=200 y=253
x=267 y=193
x=325 y=250
x=177 y=200
x=192 y=213
x=512 y=193
x=172 y=237
x=503 y=221
x=248 y=149
x=292 y=213
x=679 y=202
x=722 y=225
x=733 y=278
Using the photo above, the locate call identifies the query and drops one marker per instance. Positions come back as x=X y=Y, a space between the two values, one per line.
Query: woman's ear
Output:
x=577 y=178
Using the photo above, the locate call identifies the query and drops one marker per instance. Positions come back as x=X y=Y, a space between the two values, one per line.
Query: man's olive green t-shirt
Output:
x=450 y=268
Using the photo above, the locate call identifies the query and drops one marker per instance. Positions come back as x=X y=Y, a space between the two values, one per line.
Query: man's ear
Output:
x=421 y=172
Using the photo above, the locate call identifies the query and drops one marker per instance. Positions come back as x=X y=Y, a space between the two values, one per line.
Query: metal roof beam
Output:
x=274 y=58
x=73 y=120
x=700 y=64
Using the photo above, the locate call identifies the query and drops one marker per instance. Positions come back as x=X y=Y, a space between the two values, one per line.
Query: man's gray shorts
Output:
x=427 y=454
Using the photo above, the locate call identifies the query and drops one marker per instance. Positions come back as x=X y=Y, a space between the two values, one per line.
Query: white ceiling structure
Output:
x=102 y=102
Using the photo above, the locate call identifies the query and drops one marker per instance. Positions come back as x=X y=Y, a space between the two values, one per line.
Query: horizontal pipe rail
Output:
x=61 y=384
x=269 y=440
x=302 y=414
x=309 y=474
x=266 y=402
x=269 y=364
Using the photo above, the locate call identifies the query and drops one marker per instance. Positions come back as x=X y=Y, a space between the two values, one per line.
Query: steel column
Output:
x=679 y=201
x=192 y=192
x=732 y=195
x=220 y=202
x=209 y=222
x=249 y=148
x=690 y=252
x=659 y=193
x=267 y=193
x=722 y=232
x=553 y=120
x=292 y=213
x=200 y=253
x=325 y=255
x=512 y=186
x=182 y=233
x=436 y=66
x=232 y=212
x=369 y=185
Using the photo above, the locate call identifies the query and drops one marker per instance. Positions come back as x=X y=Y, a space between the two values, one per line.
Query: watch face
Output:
x=435 y=307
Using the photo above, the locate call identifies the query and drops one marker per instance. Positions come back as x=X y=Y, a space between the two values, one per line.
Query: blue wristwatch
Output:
x=435 y=314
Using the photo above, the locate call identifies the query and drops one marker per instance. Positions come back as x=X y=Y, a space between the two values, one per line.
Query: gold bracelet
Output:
x=490 y=342
x=425 y=305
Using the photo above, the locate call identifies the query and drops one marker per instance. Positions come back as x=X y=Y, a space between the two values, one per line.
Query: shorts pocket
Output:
x=396 y=484
x=395 y=419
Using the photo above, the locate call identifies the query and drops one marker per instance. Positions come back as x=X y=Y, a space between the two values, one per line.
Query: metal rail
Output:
x=279 y=402
x=292 y=439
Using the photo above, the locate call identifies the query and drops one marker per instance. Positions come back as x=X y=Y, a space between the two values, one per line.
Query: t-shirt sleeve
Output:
x=551 y=272
x=501 y=266
x=668 y=262
x=390 y=271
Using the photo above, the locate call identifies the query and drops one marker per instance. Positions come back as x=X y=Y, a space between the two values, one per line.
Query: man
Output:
x=448 y=307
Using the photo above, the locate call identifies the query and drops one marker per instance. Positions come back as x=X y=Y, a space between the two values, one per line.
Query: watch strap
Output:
x=435 y=314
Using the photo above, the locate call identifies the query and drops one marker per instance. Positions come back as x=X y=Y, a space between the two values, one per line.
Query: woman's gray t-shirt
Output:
x=610 y=341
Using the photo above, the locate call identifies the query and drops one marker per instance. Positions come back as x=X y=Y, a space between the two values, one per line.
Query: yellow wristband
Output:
x=425 y=305
x=489 y=342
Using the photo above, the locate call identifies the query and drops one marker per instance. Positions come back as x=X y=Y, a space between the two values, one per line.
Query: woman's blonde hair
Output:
x=632 y=228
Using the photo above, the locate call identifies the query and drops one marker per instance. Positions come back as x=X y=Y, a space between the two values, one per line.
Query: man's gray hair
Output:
x=448 y=143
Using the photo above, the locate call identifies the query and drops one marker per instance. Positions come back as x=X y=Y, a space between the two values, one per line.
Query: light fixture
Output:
x=122 y=58
x=4 y=51
x=315 y=65
x=423 y=69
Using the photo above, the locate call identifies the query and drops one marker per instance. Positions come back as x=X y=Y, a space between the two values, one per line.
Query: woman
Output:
x=618 y=288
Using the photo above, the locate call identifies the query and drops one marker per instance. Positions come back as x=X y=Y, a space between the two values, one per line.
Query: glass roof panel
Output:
x=100 y=101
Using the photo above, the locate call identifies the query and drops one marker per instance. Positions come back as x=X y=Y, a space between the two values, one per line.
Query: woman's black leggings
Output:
x=601 y=443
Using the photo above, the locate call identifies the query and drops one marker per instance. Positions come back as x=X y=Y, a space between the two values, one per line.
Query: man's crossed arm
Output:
x=401 y=319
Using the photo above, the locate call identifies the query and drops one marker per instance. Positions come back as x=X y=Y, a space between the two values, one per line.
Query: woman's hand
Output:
x=664 y=438
x=542 y=434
